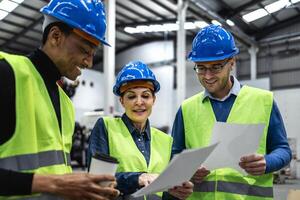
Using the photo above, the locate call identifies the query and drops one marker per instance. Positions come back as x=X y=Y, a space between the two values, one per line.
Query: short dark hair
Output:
x=62 y=26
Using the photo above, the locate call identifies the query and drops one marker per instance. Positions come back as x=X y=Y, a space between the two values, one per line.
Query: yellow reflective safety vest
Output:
x=123 y=147
x=252 y=106
x=37 y=144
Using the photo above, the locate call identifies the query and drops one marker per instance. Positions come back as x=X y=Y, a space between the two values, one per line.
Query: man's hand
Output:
x=253 y=164
x=78 y=186
x=200 y=174
x=182 y=192
x=146 y=178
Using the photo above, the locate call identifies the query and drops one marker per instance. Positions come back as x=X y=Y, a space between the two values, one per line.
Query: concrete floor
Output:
x=281 y=190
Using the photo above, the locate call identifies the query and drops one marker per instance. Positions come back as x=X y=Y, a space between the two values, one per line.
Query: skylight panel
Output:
x=3 y=14
x=8 y=6
x=254 y=15
x=278 y=5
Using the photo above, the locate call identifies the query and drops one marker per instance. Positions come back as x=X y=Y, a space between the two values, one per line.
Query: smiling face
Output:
x=70 y=53
x=216 y=82
x=76 y=54
x=138 y=103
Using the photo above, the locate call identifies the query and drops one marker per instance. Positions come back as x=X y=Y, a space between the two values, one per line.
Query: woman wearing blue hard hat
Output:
x=36 y=138
x=224 y=99
x=142 y=151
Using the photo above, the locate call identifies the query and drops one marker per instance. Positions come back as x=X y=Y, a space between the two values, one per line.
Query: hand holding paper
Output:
x=180 y=169
x=104 y=164
x=236 y=141
x=254 y=164
x=147 y=178
x=200 y=174
x=183 y=191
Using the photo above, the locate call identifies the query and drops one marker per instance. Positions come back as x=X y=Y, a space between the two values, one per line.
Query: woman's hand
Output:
x=182 y=192
x=200 y=174
x=146 y=178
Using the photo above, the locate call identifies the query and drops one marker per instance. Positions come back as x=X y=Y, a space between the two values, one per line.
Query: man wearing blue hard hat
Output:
x=226 y=100
x=36 y=134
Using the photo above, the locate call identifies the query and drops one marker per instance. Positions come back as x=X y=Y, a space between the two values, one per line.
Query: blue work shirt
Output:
x=278 y=150
x=98 y=142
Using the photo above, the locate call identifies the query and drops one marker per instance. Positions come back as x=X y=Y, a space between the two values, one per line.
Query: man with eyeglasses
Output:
x=226 y=100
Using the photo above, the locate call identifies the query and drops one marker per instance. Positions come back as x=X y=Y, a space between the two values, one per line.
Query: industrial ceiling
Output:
x=20 y=30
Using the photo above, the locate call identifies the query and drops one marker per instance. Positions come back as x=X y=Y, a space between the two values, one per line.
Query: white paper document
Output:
x=236 y=140
x=180 y=169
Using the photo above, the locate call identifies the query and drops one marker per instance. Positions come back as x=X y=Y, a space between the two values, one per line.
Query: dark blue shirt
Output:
x=278 y=150
x=127 y=181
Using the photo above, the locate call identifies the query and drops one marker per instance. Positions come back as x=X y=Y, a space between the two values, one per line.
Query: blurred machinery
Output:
x=79 y=147
x=290 y=171
x=81 y=136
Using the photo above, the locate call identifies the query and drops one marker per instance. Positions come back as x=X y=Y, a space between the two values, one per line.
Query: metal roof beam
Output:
x=19 y=42
x=270 y=29
x=126 y=7
x=150 y=22
x=21 y=16
x=243 y=7
x=158 y=2
x=15 y=50
x=238 y=33
x=237 y=19
x=14 y=33
x=140 y=42
x=125 y=16
x=148 y=9
x=30 y=27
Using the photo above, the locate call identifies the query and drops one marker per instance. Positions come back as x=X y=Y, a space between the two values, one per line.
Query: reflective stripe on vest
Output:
x=236 y=188
x=34 y=161
x=251 y=106
x=123 y=147
x=38 y=144
x=148 y=197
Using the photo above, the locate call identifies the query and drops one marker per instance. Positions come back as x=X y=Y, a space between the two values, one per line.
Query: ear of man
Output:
x=232 y=63
x=55 y=36
x=121 y=101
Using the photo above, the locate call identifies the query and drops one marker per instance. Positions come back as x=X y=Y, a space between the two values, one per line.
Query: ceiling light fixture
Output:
x=164 y=27
x=3 y=14
x=229 y=22
x=268 y=9
x=252 y=16
x=7 y=5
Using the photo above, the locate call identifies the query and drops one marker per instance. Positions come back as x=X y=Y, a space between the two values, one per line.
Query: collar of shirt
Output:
x=45 y=66
x=235 y=89
x=134 y=130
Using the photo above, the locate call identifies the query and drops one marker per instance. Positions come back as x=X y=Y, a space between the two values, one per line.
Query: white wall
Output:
x=148 y=53
x=193 y=85
x=289 y=106
x=262 y=83
x=89 y=98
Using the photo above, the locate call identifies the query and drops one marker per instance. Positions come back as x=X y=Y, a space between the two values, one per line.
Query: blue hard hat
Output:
x=85 y=15
x=135 y=71
x=212 y=43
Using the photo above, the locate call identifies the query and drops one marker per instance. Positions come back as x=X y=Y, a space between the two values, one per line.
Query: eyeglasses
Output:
x=215 y=69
